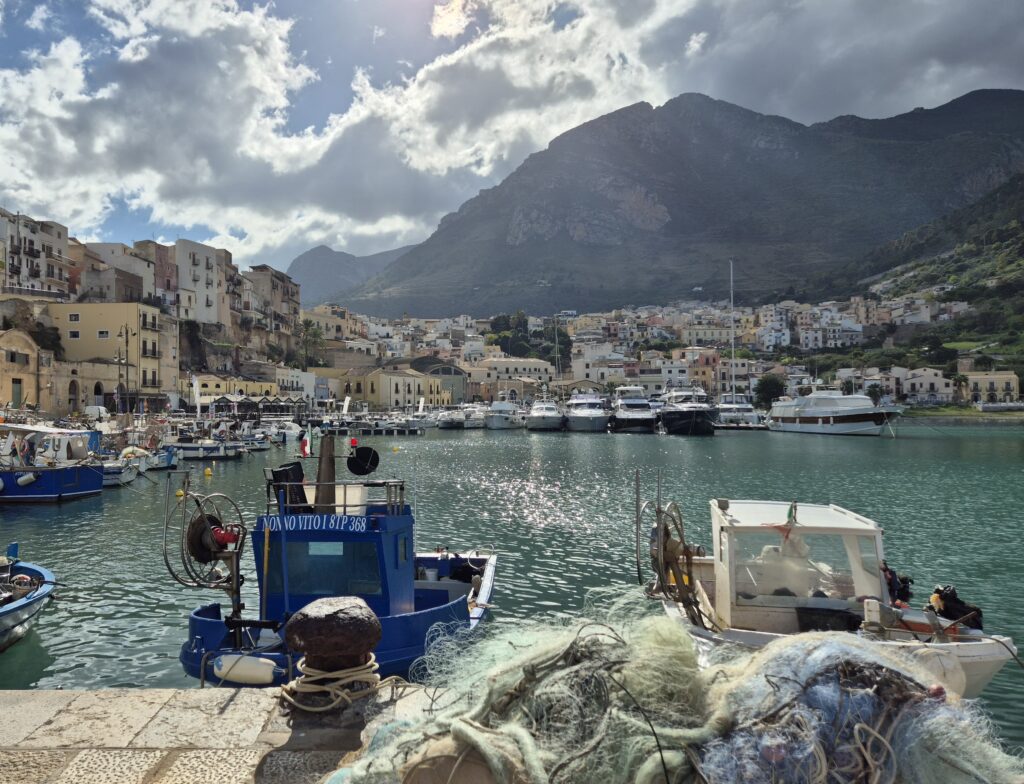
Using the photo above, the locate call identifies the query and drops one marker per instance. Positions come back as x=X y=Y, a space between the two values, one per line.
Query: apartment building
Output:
x=165 y=271
x=197 y=272
x=36 y=256
x=128 y=334
x=276 y=297
x=333 y=320
x=127 y=259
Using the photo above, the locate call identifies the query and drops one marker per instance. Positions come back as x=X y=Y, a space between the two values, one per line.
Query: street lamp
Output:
x=126 y=333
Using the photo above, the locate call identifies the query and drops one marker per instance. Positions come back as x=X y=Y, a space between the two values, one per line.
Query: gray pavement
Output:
x=169 y=736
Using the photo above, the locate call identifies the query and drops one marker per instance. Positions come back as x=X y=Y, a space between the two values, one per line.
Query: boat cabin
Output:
x=785 y=569
x=342 y=538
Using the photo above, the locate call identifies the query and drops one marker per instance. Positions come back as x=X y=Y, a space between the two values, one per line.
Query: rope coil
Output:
x=336 y=684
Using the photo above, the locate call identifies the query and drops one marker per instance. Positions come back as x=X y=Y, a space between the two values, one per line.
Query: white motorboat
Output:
x=475 y=417
x=545 y=415
x=830 y=412
x=735 y=409
x=503 y=415
x=206 y=449
x=631 y=411
x=687 y=412
x=586 y=414
x=780 y=570
x=117 y=473
x=453 y=419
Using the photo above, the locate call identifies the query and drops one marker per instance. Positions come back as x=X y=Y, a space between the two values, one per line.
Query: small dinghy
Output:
x=117 y=473
x=317 y=539
x=25 y=589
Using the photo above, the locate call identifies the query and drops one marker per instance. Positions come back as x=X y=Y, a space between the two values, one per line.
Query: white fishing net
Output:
x=618 y=697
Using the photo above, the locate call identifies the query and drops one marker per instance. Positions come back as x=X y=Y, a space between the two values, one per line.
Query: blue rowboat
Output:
x=25 y=589
x=318 y=540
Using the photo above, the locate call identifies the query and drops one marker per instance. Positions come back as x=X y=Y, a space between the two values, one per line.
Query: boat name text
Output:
x=315 y=522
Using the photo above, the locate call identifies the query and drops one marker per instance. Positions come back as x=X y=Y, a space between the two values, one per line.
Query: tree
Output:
x=310 y=339
x=960 y=382
x=768 y=388
x=847 y=386
x=875 y=393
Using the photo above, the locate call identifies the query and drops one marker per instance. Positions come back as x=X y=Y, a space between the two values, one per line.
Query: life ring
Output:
x=154 y=441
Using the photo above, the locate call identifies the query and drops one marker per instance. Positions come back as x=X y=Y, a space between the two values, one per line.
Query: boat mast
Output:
x=732 y=337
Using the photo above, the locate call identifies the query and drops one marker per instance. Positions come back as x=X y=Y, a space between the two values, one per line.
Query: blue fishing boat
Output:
x=25 y=589
x=46 y=465
x=316 y=539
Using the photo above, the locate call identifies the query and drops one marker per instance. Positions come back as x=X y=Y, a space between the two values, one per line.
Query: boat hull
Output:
x=632 y=424
x=503 y=422
x=854 y=425
x=18 y=617
x=209 y=656
x=545 y=422
x=587 y=424
x=978 y=660
x=683 y=422
x=51 y=484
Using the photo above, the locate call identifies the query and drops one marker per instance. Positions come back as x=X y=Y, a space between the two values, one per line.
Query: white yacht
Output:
x=452 y=419
x=777 y=571
x=503 y=415
x=545 y=414
x=474 y=417
x=736 y=409
x=587 y=414
x=827 y=411
x=631 y=411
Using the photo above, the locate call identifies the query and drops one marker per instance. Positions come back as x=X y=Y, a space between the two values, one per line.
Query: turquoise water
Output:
x=559 y=509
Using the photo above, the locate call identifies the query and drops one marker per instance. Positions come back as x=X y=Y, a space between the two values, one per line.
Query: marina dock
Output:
x=176 y=736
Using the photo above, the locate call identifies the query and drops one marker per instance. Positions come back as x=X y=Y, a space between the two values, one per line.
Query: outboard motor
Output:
x=948 y=605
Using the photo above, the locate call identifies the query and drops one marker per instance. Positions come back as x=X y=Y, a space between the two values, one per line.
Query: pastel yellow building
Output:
x=129 y=334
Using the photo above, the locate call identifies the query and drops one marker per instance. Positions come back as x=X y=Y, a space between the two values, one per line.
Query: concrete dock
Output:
x=172 y=736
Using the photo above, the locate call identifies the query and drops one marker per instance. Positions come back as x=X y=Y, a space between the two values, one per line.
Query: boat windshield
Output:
x=326 y=568
x=785 y=562
x=635 y=404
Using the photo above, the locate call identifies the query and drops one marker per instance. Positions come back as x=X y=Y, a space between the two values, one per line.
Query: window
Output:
x=102 y=334
x=73 y=316
x=73 y=334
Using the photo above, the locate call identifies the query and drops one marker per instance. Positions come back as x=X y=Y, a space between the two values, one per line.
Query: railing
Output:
x=24 y=291
x=152 y=353
x=35 y=253
x=150 y=324
x=151 y=382
x=209 y=264
x=291 y=498
x=33 y=272
x=56 y=277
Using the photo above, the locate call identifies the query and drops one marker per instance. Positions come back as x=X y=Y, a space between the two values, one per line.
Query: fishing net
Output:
x=618 y=696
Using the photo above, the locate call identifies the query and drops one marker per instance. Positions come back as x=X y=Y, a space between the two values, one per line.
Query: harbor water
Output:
x=558 y=508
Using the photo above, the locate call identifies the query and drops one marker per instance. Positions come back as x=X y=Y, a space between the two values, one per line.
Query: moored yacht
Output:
x=631 y=411
x=453 y=419
x=503 y=415
x=687 y=413
x=545 y=415
x=587 y=414
x=827 y=411
x=474 y=417
x=735 y=409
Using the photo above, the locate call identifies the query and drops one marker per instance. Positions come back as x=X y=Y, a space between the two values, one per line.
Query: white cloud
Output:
x=695 y=44
x=37 y=21
x=378 y=32
x=452 y=17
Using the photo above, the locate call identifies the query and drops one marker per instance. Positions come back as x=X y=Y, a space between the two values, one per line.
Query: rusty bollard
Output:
x=335 y=633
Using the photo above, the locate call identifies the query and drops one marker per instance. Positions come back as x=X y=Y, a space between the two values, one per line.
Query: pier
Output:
x=178 y=736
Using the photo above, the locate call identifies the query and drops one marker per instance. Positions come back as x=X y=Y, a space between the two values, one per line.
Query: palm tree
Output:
x=311 y=340
x=875 y=393
x=960 y=382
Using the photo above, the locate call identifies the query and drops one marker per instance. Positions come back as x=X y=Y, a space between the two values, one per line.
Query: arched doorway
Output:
x=97 y=394
x=73 y=395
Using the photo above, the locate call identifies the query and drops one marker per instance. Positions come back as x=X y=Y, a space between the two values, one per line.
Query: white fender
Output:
x=253 y=670
x=1 y=485
x=24 y=480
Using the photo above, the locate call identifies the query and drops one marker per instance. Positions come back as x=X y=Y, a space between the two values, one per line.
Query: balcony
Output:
x=195 y=261
x=151 y=383
x=209 y=281
x=55 y=256
x=24 y=291
x=209 y=302
x=196 y=277
x=209 y=264
x=56 y=277
x=152 y=353
x=33 y=272
x=150 y=324
x=34 y=253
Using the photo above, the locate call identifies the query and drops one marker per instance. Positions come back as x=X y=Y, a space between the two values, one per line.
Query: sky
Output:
x=269 y=127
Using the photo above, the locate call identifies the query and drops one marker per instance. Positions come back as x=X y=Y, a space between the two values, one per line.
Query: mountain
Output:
x=645 y=204
x=323 y=274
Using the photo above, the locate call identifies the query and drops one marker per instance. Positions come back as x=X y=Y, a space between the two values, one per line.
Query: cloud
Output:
x=184 y=109
x=378 y=32
x=37 y=21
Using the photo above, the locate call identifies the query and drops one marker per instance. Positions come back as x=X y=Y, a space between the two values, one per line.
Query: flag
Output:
x=304 y=444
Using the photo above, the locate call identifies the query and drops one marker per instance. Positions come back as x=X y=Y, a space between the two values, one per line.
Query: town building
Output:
x=36 y=256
